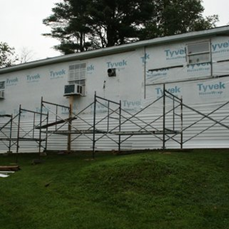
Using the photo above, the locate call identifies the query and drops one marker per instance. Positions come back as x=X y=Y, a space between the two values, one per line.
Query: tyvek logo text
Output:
x=173 y=90
x=206 y=89
x=122 y=63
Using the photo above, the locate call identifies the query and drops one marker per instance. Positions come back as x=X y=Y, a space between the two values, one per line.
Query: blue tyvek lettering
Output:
x=33 y=77
x=209 y=87
x=145 y=57
x=173 y=90
x=91 y=68
x=117 y=64
x=174 y=53
x=11 y=81
x=219 y=46
x=54 y=74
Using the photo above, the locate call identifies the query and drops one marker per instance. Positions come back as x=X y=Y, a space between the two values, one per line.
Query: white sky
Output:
x=21 y=24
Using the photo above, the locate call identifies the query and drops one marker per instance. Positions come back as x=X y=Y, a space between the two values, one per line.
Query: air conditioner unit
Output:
x=2 y=95
x=73 y=89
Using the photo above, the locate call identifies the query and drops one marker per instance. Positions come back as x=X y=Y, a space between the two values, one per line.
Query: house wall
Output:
x=197 y=84
x=204 y=87
x=140 y=75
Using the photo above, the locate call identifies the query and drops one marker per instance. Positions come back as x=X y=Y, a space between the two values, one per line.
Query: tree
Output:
x=7 y=55
x=69 y=25
x=88 y=24
x=175 y=17
x=119 y=22
x=26 y=55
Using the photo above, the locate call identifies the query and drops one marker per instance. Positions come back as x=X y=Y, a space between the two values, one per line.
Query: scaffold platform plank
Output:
x=67 y=132
x=56 y=123
x=21 y=139
x=158 y=132
x=6 y=115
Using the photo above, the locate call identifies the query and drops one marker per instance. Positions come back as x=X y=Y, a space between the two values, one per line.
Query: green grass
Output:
x=177 y=190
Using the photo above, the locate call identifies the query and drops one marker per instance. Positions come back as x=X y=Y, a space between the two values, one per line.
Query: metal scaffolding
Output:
x=222 y=122
x=6 y=131
x=108 y=119
x=111 y=122
x=57 y=123
x=13 y=131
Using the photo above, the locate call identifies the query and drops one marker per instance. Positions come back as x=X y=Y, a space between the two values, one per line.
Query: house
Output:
x=193 y=68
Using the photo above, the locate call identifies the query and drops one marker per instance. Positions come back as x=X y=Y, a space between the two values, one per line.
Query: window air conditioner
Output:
x=2 y=95
x=73 y=89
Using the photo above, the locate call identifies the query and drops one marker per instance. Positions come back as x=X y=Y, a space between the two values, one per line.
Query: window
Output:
x=77 y=74
x=2 y=85
x=2 y=88
x=198 y=52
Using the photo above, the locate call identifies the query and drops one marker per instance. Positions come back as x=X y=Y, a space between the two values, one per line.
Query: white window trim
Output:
x=208 y=52
x=79 y=75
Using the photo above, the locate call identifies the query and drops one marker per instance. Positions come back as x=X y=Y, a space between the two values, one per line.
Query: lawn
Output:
x=148 y=190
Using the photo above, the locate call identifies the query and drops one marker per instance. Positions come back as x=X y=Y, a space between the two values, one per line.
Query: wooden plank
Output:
x=6 y=115
x=66 y=132
x=144 y=132
x=22 y=139
x=56 y=123
x=9 y=168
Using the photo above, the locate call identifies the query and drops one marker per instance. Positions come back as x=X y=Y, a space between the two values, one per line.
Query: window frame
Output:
x=77 y=73
x=204 y=55
x=2 y=85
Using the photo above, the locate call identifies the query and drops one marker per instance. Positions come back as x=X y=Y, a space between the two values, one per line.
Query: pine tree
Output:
x=81 y=25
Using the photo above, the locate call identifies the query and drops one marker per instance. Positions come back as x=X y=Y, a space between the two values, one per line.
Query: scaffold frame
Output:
x=115 y=131
x=21 y=134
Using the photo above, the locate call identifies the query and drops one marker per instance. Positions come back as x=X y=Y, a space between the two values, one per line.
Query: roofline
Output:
x=117 y=49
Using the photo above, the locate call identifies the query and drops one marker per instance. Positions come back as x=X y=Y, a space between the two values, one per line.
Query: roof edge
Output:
x=116 y=49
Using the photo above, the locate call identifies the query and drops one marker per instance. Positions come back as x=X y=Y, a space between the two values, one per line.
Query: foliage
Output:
x=7 y=55
x=26 y=55
x=146 y=190
x=81 y=25
x=177 y=16
x=69 y=25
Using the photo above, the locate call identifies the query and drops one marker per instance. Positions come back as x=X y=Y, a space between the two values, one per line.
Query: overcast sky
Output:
x=21 y=24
